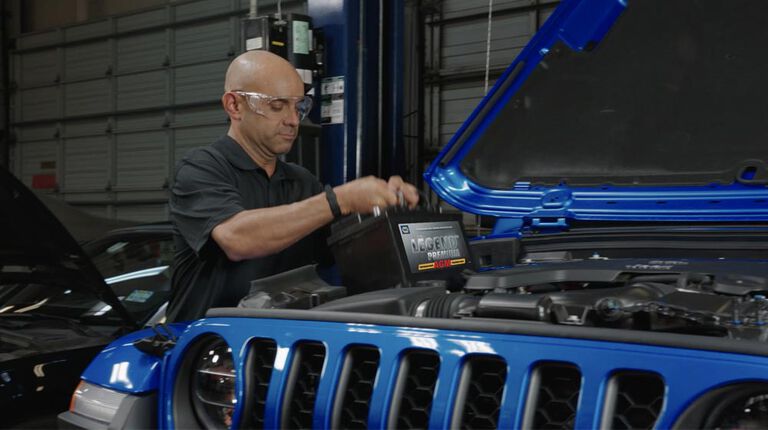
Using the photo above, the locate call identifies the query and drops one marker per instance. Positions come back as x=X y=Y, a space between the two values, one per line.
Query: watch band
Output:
x=330 y=195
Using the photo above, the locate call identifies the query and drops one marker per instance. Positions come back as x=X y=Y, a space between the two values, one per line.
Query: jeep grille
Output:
x=415 y=387
x=634 y=401
x=356 y=383
x=263 y=359
x=553 y=397
x=319 y=374
x=480 y=392
x=302 y=385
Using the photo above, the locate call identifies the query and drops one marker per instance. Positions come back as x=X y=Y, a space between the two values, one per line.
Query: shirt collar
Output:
x=237 y=156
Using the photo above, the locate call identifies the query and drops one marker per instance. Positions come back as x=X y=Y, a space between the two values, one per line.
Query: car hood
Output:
x=29 y=342
x=83 y=226
x=35 y=247
x=640 y=111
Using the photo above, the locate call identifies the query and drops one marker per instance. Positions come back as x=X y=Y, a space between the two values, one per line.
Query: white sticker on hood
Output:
x=139 y=296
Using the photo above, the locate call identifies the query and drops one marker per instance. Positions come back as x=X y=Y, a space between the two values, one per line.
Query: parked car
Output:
x=623 y=155
x=60 y=304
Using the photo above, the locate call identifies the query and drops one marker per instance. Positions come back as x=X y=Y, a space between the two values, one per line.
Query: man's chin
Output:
x=283 y=145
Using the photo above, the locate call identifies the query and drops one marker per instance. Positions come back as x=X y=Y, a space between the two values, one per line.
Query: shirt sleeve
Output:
x=203 y=196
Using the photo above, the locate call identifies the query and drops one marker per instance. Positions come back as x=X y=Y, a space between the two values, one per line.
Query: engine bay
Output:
x=719 y=298
x=716 y=298
x=401 y=263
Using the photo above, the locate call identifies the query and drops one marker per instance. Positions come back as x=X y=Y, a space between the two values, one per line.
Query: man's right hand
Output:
x=362 y=195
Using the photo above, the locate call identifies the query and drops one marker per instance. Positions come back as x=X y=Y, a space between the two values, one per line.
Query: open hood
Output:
x=83 y=226
x=35 y=247
x=621 y=110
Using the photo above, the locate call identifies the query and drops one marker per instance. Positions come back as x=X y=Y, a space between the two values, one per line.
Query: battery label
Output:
x=433 y=245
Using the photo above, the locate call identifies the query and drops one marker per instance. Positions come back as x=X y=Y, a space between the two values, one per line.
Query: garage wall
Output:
x=101 y=111
x=7 y=27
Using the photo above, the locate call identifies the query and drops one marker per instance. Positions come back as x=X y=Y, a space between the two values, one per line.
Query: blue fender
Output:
x=122 y=367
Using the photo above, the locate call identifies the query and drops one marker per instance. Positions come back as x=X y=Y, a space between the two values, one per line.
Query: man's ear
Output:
x=229 y=102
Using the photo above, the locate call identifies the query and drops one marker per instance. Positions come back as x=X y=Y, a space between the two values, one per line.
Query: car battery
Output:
x=399 y=247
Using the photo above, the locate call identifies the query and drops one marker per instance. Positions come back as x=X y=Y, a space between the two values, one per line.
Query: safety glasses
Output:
x=277 y=107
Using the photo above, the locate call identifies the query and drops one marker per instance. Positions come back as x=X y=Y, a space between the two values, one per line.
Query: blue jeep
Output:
x=623 y=154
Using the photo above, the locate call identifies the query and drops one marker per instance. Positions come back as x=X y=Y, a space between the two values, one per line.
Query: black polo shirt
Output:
x=212 y=184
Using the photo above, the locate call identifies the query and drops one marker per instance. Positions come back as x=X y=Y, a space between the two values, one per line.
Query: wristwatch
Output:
x=330 y=195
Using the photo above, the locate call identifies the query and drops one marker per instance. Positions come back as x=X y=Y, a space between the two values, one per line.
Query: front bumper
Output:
x=135 y=412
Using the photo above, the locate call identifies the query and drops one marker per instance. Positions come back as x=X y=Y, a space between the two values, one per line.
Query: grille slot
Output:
x=415 y=387
x=262 y=360
x=353 y=398
x=552 y=397
x=634 y=401
x=303 y=379
x=481 y=388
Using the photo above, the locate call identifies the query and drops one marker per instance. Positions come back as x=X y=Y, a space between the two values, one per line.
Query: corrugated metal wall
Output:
x=107 y=107
x=5 y=31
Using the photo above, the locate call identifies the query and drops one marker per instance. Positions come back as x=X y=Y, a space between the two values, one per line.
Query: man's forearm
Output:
x=261 y=232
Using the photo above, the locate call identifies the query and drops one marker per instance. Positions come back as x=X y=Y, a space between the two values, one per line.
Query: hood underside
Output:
x=641 y=110
x=36 y=249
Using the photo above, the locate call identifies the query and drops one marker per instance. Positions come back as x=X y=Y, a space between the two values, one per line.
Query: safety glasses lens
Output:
x=278 y=107
x=303 y=106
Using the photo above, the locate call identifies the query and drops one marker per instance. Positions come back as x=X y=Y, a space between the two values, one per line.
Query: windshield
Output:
x=135 y=266
x=672 y=95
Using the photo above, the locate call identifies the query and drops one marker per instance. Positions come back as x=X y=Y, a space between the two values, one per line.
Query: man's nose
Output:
x=292 y=118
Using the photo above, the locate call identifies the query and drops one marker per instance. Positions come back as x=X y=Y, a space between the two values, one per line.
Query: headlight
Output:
x=95 y=402
x=746 y=413
x=739 y=406
x=213 y=384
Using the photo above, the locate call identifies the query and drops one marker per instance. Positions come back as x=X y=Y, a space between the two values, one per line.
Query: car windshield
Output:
x=136 y=266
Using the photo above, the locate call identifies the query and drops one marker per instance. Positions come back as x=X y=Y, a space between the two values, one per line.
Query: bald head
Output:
x=263 y=72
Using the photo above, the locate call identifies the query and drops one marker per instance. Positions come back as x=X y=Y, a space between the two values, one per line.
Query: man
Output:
x=239 y=212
